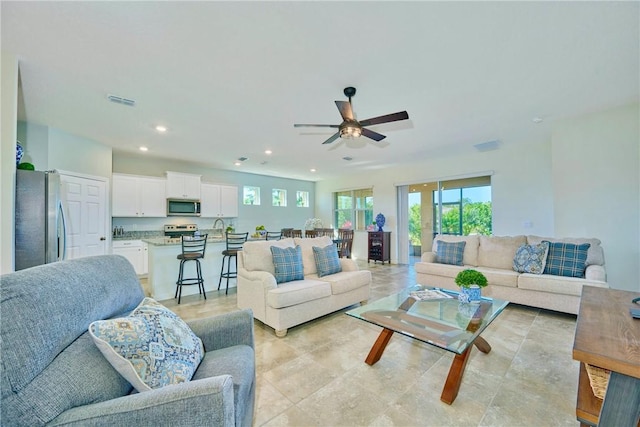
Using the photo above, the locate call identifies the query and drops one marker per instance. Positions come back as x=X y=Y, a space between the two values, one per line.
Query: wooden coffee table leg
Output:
x=378 y=348
x=454 y=379
x=482 y=345
x=452 y=384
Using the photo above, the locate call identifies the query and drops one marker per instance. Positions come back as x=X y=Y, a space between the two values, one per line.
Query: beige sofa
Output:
x=285 y=305
x=494 y=255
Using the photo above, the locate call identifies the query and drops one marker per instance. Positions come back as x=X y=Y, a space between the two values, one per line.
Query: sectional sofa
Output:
x=494 y=256
x=287 y=304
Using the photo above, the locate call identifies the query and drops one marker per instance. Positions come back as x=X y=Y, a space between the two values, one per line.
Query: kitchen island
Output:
x=164 y=266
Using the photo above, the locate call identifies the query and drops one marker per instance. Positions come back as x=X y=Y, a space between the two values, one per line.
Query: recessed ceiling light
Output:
x=312 y=170
x=537 y=120
x=143 y=148
x=237 y=163
x=161 y=128
x=267 y=151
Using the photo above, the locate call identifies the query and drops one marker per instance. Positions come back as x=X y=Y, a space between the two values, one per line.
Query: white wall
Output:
x=596 y=176
x=521 y=188
x=272 y=217
x=50 y=148
x=9 y=116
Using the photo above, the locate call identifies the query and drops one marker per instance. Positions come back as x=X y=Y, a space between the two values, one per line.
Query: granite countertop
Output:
x=169 y=241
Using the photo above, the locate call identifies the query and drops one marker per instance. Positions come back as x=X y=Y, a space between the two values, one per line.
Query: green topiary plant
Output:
x=469 y=277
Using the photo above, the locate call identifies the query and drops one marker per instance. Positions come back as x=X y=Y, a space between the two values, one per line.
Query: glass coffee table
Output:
x=436 y=317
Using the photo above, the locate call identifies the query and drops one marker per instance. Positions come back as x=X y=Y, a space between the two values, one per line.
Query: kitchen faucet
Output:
x=222 y=230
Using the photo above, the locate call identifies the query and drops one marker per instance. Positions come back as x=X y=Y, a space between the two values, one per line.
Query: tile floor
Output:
x=316 y=375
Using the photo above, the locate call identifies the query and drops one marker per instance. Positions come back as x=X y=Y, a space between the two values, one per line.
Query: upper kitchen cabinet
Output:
x=138 y=196
x=183 y=186
x=219 y=201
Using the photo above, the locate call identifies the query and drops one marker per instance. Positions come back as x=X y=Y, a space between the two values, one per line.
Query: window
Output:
x=251 y=195
x=279 y=197
x=463 y=207
x=354 y=209
x=302 y=199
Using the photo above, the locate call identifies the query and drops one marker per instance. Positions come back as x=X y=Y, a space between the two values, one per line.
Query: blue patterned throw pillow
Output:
x=287 y=263
x=566 y=259
x=151 y=348
x=327 y=261
x=450 y=252
x=531 y=258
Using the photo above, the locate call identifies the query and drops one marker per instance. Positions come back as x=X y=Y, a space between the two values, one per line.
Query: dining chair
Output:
x=310 y=233
x=345 y=243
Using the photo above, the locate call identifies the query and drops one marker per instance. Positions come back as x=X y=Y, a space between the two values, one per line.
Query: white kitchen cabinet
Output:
x=138 y=196
x=183 y=186
x=133 y=251
x=219 y=201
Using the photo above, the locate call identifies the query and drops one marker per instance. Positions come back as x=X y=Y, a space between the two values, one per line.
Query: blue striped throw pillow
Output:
x=450 y=252
x=287 y=263
x=327 y=261
x=566 y=259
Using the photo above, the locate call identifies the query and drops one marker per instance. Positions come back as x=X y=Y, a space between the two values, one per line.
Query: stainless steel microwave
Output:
x=183 y=207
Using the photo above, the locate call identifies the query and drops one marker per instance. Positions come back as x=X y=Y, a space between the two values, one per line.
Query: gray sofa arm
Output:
x=595 y=272
x=207 y=401
x=225 y=330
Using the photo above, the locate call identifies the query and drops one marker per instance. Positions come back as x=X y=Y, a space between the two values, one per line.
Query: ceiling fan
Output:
x=352 y=128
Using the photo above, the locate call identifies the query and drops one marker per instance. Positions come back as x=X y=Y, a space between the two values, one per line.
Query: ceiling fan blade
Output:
x=332 y=138
x=345 y=110
x=402 y=115
x=315 y=126
x=373 y=135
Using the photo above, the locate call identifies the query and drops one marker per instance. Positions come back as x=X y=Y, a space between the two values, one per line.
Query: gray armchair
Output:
x=53 y=374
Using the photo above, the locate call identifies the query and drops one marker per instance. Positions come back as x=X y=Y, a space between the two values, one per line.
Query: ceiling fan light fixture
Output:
x=350 y=132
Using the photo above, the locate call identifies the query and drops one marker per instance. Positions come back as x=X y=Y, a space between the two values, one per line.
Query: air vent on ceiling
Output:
x=487 y=146
x=347 y=158
x=121 y=100
x=242 y=159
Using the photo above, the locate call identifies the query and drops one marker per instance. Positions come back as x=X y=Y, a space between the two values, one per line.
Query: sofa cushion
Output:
x=470 y=255
x=498 y=251
x=500 y=277
x=257 y=254
x=555 y=284
x=298 y=292
x=450 y=252
x=566 y=259
x=435 y=269
x=327 y=261
x=595 y=254
x=151 y=348
x=307 y=244
x=347 y=281
x=531 y=258
x=287 y=264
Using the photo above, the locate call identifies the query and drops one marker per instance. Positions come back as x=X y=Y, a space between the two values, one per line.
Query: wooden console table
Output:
x=608 y=337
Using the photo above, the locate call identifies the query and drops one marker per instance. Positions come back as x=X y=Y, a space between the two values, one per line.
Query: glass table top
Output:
x=435 y=317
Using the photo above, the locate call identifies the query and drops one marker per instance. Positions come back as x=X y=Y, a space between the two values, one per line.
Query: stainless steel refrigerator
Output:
x=40 y=224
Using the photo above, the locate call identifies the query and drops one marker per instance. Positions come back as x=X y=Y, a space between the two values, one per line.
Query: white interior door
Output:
x=84 y=200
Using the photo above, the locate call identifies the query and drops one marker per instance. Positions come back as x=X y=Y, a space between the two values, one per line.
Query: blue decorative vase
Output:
x=19 y=153
x=472 y=294
x=380 y=221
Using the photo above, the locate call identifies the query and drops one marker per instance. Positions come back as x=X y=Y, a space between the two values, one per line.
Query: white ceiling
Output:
x=229 y=79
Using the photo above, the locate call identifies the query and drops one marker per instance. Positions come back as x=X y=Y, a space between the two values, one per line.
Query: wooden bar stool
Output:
x=192 y=250
x=234 y=244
